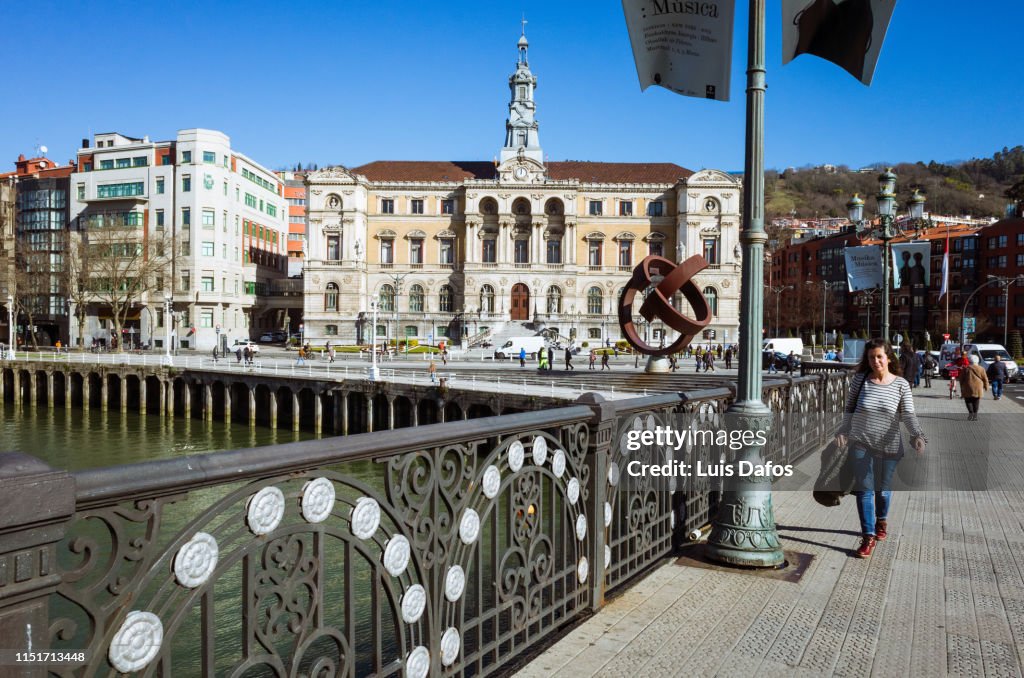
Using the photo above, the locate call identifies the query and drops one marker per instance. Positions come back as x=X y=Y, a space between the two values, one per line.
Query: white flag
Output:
x=945 y=268
x=849 y=33
x=682 y=45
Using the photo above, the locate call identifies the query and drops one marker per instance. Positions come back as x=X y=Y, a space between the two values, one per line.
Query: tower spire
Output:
x=521 y=139
x=523 y=44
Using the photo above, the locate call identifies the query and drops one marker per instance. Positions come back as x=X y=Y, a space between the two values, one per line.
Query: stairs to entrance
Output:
x=515 y=328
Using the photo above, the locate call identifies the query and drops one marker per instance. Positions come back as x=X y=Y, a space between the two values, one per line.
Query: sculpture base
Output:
x=373 y=373
x=658 y=365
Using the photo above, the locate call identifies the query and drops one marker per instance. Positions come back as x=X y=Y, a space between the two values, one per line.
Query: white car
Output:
x=242 y=343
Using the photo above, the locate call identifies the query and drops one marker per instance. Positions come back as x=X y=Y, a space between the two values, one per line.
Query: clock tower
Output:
x=521 y=138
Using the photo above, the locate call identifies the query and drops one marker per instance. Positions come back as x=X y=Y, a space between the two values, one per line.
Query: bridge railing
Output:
x=448 y=549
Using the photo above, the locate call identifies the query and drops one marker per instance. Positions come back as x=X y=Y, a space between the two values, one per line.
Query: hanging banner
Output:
x=849 y=33
x=863 y=267
x=682 y=45
x=910 y=263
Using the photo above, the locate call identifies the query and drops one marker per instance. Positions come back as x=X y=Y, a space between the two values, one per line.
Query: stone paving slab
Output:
x=943 y=596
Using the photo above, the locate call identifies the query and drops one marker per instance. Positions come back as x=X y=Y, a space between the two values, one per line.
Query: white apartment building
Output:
x=225 y=214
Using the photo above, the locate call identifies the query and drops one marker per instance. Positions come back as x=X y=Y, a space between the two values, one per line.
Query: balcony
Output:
x=554 y=267
x=521 y=265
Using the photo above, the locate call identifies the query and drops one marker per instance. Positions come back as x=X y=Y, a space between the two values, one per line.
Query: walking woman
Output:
x=973 y=384
x=878 y=401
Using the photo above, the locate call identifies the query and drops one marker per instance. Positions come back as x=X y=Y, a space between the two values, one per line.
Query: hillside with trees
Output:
x=978 y=188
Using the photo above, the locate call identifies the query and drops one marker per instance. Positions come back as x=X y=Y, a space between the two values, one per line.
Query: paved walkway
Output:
x=944 y=595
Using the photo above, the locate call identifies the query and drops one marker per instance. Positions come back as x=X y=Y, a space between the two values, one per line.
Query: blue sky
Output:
x=359 y=80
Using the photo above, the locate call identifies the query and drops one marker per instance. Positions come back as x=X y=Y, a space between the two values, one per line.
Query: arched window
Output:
x=712 y=296
x=387 y=298
x=447 y=299
x=331 y=297
x=416 y=299
x=595 y=301
x=554 y=299
x=487 y=299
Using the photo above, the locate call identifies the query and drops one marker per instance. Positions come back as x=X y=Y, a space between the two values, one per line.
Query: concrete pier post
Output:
x=86 y=392
x=170 y=399
x=32 y=390
x=2 y=395
x=186 y=398
x=252 y=407
x=318 y=413
x=369 y=413
x=227 y=403
x=142 y=394
x=50 y=398
x=391 y=413
x=416 y=413
x=207 y=402
x=124 y=394
x=163 y=399
x=104 y=392
x=296 y=419
x=344 y=413
x=273 y=410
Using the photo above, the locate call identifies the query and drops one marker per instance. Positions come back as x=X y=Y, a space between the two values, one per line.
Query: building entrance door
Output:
x=520 y=309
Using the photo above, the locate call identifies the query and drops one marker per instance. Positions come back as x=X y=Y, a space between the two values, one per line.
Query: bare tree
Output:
x=35 y=280
x=120 y=262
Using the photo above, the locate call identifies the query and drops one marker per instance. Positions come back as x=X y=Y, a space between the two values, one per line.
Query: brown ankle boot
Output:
x=867 y=545
x=881 y=529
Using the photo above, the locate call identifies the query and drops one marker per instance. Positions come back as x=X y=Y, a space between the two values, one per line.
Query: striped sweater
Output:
x=873 y=420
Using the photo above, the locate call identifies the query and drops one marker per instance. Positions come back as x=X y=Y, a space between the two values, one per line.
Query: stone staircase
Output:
x=511 y=329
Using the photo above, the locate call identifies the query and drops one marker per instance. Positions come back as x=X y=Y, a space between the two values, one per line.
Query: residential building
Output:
x=295 y=195
x=454 y=249
x=220 y=220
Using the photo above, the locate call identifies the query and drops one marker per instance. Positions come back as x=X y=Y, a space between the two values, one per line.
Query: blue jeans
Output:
x=873 y=487
x=997 y=388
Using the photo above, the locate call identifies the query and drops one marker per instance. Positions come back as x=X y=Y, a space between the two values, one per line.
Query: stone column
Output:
x=369 y=413
x=227 y=403
x=124 y=394
x=2 y=385
x=569 y=243
x=36 y=507
x=273 y=410
x=208 y=402
x=104 y=392
x=296 y=414
x=391 y=413
x=170 y=398
x=49 y=390
x=344 y=413
x=318 y=414
x=252 y=407
x=186 y=397
x=68 y=391
x=163 y=399
x=416 y=413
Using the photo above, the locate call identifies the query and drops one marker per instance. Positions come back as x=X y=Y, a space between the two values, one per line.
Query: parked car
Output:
x=279 y=335
x=779 y=358
x=266 y=338
x=242 y=343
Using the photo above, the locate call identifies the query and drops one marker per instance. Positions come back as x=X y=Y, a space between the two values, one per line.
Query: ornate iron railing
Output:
x=440 y=550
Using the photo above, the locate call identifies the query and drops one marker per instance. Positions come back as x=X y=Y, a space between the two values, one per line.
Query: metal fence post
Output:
x=602 y=426
x=36 y=507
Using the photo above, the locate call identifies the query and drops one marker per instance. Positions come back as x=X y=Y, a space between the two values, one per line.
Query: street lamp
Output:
x=887 y=229
x=10 y=327
x=374 y=374
x=826 y=285
x=777 y=290
x=168 y=317
x=867 y=298
x=1005 y=282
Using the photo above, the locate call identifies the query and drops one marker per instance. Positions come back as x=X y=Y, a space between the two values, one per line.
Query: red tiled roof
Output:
x=584 y=171
x=618 y=172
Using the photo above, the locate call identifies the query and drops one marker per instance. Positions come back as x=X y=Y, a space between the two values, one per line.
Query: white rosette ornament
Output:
x=264 y=510
x=137 y=642
x=196 y=560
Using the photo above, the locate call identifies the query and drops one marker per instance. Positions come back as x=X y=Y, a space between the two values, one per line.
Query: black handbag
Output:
x=836 y=477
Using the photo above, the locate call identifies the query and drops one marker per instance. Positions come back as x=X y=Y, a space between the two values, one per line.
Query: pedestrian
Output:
x=432 y=370
x=673 y=362
x=542 y=359
x=444 y=357
x=709 y=362
x=568 y=359
x=929 y=367
x=973 y=384
x=551 y=358
x=728 y=358
x=908 y=363
x=301 y=360
x=879 y=400
x=636 y=359
x=246 y=355
x=839 y=355
x=593 y=358
x=997 y=376
x=522 y=357
x=604 y=362
x=215 y=355
x=330 y=354
x=238 y=354
x=698 y=361
x=772 y=369
x=790 y=362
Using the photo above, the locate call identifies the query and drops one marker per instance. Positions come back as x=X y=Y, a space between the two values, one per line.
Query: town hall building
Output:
x=458 y=249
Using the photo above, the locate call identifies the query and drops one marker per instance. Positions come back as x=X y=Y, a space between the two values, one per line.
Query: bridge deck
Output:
x=944 y=595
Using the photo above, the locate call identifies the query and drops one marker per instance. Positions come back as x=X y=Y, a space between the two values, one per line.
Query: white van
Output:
x=784 y=345
x=511 y=347
x=987 y=354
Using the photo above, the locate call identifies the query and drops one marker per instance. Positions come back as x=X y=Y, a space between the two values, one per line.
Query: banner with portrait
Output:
x=863 y=267
x=911 y=262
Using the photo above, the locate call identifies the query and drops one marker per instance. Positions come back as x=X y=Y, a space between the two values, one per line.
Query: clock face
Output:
x=520 y=172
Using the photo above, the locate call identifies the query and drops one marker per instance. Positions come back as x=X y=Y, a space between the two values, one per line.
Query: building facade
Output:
x=455 y=249
x=222 y=216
